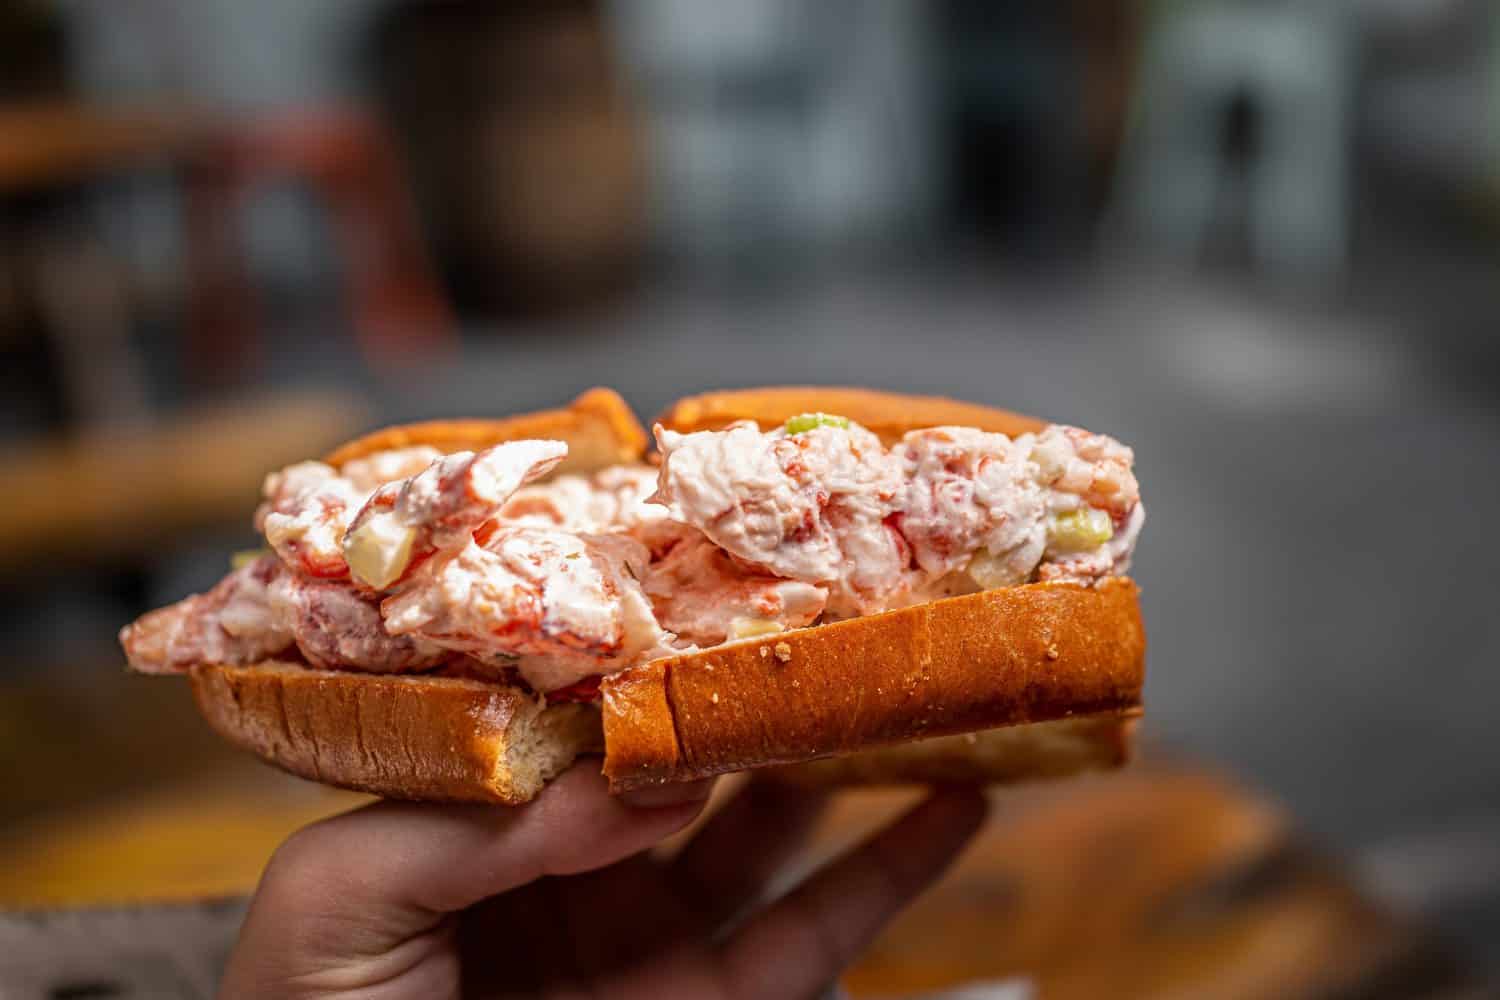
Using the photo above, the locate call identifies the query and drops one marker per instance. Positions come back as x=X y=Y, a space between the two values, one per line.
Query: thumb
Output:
x=343 y=894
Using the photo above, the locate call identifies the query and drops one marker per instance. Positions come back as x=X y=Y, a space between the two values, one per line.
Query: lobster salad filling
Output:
x=411 y=560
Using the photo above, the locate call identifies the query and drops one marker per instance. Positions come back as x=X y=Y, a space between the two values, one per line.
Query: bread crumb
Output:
x=765 y=651
x=1052 y=652
x=709 y=667
x=783 y=652
x=796 y=684
x=714 y=697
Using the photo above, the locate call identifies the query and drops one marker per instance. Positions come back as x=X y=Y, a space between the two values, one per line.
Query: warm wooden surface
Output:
x=51 y=143
x=1158 y=883
x=121 y=490
x=1162 y=881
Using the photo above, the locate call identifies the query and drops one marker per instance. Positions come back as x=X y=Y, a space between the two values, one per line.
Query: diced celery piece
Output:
x=378 y=551
x=1079 y=530
x=747 y=628
x=804 y=422
x=989 y=571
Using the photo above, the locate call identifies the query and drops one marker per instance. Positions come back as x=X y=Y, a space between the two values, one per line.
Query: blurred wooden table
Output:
x=123 y=490
x=64 y=142
x=341 y=155
x=1161 y=881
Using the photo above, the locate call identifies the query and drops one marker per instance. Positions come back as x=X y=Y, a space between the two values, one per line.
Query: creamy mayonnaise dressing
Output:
x=809 y=507
x=966 y=492
x=336 y=627
x=700 y=594
x=232 y=623
x=306 y=508
x=881 y=528
x=373 y=471
x=408 y=559
x=439 y=508
x=613 y=498
x=557 y=606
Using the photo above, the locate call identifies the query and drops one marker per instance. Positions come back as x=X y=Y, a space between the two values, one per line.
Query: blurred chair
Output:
x=1292 y=65
x=65 y=315
x=524 y=149
x=63 y=342
x=58 y=268
x=398 y=309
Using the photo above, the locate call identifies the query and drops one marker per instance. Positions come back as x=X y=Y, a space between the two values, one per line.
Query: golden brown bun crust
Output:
x=888 y=414
x=405 y=737
x=1003 y=756
x=997 y=658
x=598 y=426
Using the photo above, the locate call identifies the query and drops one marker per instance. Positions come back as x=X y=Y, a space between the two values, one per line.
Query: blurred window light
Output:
x=780 y=126
x=1293 y=64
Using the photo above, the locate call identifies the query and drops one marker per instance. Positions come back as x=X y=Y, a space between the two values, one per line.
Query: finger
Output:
x=377 y=876
x=728 y=865
x=516 y=944
x=670 y=794
x=445 y=858
x=804 y=940
x=617 y=916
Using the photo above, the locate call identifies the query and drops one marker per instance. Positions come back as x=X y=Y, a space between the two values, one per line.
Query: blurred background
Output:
x=1257 y=240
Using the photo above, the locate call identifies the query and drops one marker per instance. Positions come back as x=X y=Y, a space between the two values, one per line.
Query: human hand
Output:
x=560 y=898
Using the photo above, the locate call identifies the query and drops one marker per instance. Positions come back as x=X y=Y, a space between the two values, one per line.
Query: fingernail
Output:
x=673 y=794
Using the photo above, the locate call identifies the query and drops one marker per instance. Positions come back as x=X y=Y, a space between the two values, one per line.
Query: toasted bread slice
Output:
x=404 y=737
x=864 y=688
x=996 y=658
x=598 y=426
x=888 y=414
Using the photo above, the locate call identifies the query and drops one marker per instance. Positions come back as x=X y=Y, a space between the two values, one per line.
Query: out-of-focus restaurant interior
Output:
x=1258 y=240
